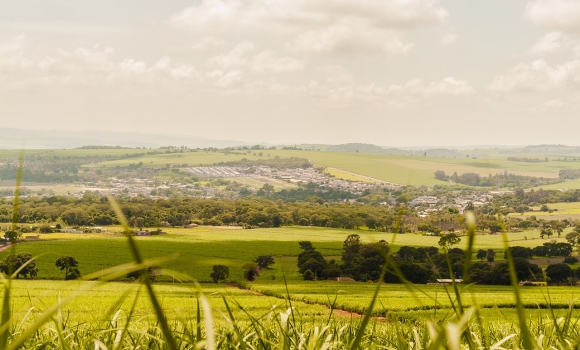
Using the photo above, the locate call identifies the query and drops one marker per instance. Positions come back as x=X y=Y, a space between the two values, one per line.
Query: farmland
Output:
x=200 y=248
x=404 y=170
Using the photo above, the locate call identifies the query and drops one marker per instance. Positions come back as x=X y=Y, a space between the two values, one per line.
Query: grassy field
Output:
x=179 y=300
x=566 y=210
x=195 y=251
x=405 y=170
x=397 y=298
x=411 y=170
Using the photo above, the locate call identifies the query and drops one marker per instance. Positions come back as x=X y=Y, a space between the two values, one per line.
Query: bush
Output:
x=570 y=260
x=308 y=275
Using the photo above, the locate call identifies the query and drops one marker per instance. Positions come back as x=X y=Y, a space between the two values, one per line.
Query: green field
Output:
x=179 y=300
x=195 y=251
x=406 y=170
x=565 y=210
x=199 y=248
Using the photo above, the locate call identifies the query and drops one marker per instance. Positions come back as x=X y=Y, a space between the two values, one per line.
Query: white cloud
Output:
x=556 y=42
x=266 y=61
x=539 y=76
x=320 y=26
x=207 y=43
x=235 y=58
x=350 y=38
x=549 y=105
x=82 y=66
x=449 y=38
x=225 y=79
x=559 y=14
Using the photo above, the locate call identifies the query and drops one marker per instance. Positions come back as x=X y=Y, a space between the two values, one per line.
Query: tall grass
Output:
x=284 y=328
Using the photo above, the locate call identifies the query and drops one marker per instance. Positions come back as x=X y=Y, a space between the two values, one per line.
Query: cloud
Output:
x=353 y=38
x=449 y=38
x=320 y=26
x=267 y=61
x=242 y=55
x=207 y=43
x=82 y=66
x=539 y=76
x=559 y=14
x=556 y=42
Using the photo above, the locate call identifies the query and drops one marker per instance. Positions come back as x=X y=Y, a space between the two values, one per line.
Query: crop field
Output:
x=179 y=300
x=195 y=251
x=345 y=175
x=398 y=298
x=566 y=210
x=406 y=170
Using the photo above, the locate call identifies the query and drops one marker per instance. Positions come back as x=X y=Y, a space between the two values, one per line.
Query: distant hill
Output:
x=11 y=138
x=366 y=148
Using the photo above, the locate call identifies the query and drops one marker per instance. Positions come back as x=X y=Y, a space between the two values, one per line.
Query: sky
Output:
x=389 y=72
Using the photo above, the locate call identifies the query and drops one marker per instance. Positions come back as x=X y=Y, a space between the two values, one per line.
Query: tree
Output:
x=449 y=240
x=520 y=252
x=440 y=175
x=251 y=271
x=12 y=236
x=308 y=275
x=139 y=222
x=559 y=273
x=546 y=232
x=306 y=245
x=573 y=238
x=481 y=254
x=12 y=263
x=220 y=273
x=264 y=261
x=66 y=264
x=490 y=255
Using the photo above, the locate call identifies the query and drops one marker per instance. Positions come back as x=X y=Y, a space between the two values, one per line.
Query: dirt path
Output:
x=337 y=312
x=3 y=248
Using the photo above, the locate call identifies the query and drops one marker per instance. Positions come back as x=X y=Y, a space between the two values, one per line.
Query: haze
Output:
x=399 y=73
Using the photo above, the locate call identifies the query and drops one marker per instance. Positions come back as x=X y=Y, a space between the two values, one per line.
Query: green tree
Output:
x=220 y=273
x=251 y=271
x=490 y=255
x=481 y=254
x=66 y=264
x=12 y=263
x=264 y=261
x=559 y=273
x=449 y=240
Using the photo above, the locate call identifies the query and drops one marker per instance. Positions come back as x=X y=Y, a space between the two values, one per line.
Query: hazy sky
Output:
x=389 y=72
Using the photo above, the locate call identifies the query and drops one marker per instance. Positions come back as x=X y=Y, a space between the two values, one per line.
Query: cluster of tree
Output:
x=527 y=160
x=23 y=264
x=547 y=249
x=569 y=174
x=504 y=180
